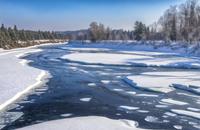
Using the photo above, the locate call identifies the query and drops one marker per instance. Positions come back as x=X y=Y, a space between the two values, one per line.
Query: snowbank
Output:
x=103 y=58
x=165 y=81
x=131 y=54
x=161 y=46
x=85 y=123
x=17 y=78
x=143 y=54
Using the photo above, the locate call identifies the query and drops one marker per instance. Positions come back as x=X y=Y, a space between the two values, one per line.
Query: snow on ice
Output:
x=165 y=81
x=17 y=78
x=85 y=123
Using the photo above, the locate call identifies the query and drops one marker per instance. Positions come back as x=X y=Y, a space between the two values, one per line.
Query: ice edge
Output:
x=39 y=80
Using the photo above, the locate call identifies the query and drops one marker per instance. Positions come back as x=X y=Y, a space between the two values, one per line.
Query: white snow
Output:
x=193 y=109
x=161 y=106
x=146 y=95
x=170 y=114
x=85 y=99
x=136 y=54
x=85 y=123
x=66 y=115
x=105 y=81
x=129 y=107
x=103 y=58
x=118 y=90
x=16 y=77
x=143 y=111
x=172 y=101
x=177 y=62
x=131 y=93
x=186 y=113
x=150 y=46
x=178 y=127
x=91 y=84
x=151 y=119
x=24 y=62
x=162 y=81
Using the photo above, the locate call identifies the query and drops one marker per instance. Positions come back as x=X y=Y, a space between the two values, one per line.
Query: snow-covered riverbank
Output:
x=157 y=91
x=183 y=48
x=16 y=76
x=85 y=123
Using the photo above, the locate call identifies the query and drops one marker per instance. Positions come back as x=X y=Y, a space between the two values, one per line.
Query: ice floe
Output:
x=85 y=99
x=151 y=119
x=175 y=102
x=165 y=81
x=128 y=107
x=186 y=113
x=193 y=109
x=105 y=81
x=178 y=127
x=85 y=123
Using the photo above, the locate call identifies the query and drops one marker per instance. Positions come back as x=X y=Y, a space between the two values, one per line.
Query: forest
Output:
x=13 y=38
x=178 y=23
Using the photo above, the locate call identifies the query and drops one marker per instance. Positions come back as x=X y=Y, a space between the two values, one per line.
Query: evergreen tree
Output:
x=139 y=30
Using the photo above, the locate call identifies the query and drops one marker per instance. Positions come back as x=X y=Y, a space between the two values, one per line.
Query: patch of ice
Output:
x=129 y=107
x=24 y=62
x=118 y=114
x=144 y=83
x=192 y=123
x=151 y=119
x=163 y=81
x=56 y=60
x=118 y=90
x=178 y=127
x=105 y=81
x=186 y=113
x=131 y=92
x=196 y=126
x=193 y=109
x=91 y=84
x=170 y=114
x=186 y=94
x=66 y=115
x=143 y=111
x=138 y=54
x=103 y=58
x=73 y=68
x=161 y=106
x=175 y=102
x=20 y=55
x=85 y=99
x=147 y=95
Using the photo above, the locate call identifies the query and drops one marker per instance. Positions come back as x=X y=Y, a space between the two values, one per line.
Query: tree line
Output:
x=12 y=37
x=181 y=22
x=98 y=32
x=178 y=23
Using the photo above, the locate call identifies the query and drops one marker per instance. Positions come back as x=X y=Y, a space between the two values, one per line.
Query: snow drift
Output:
x=85 y=123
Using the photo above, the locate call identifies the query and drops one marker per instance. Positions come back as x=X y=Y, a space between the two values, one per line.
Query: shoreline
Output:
x=38 y=81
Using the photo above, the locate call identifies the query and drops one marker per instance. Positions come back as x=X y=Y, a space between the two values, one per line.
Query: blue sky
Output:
x=63 y=15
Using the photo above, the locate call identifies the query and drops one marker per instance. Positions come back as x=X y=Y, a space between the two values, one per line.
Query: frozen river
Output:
x=82 y=85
